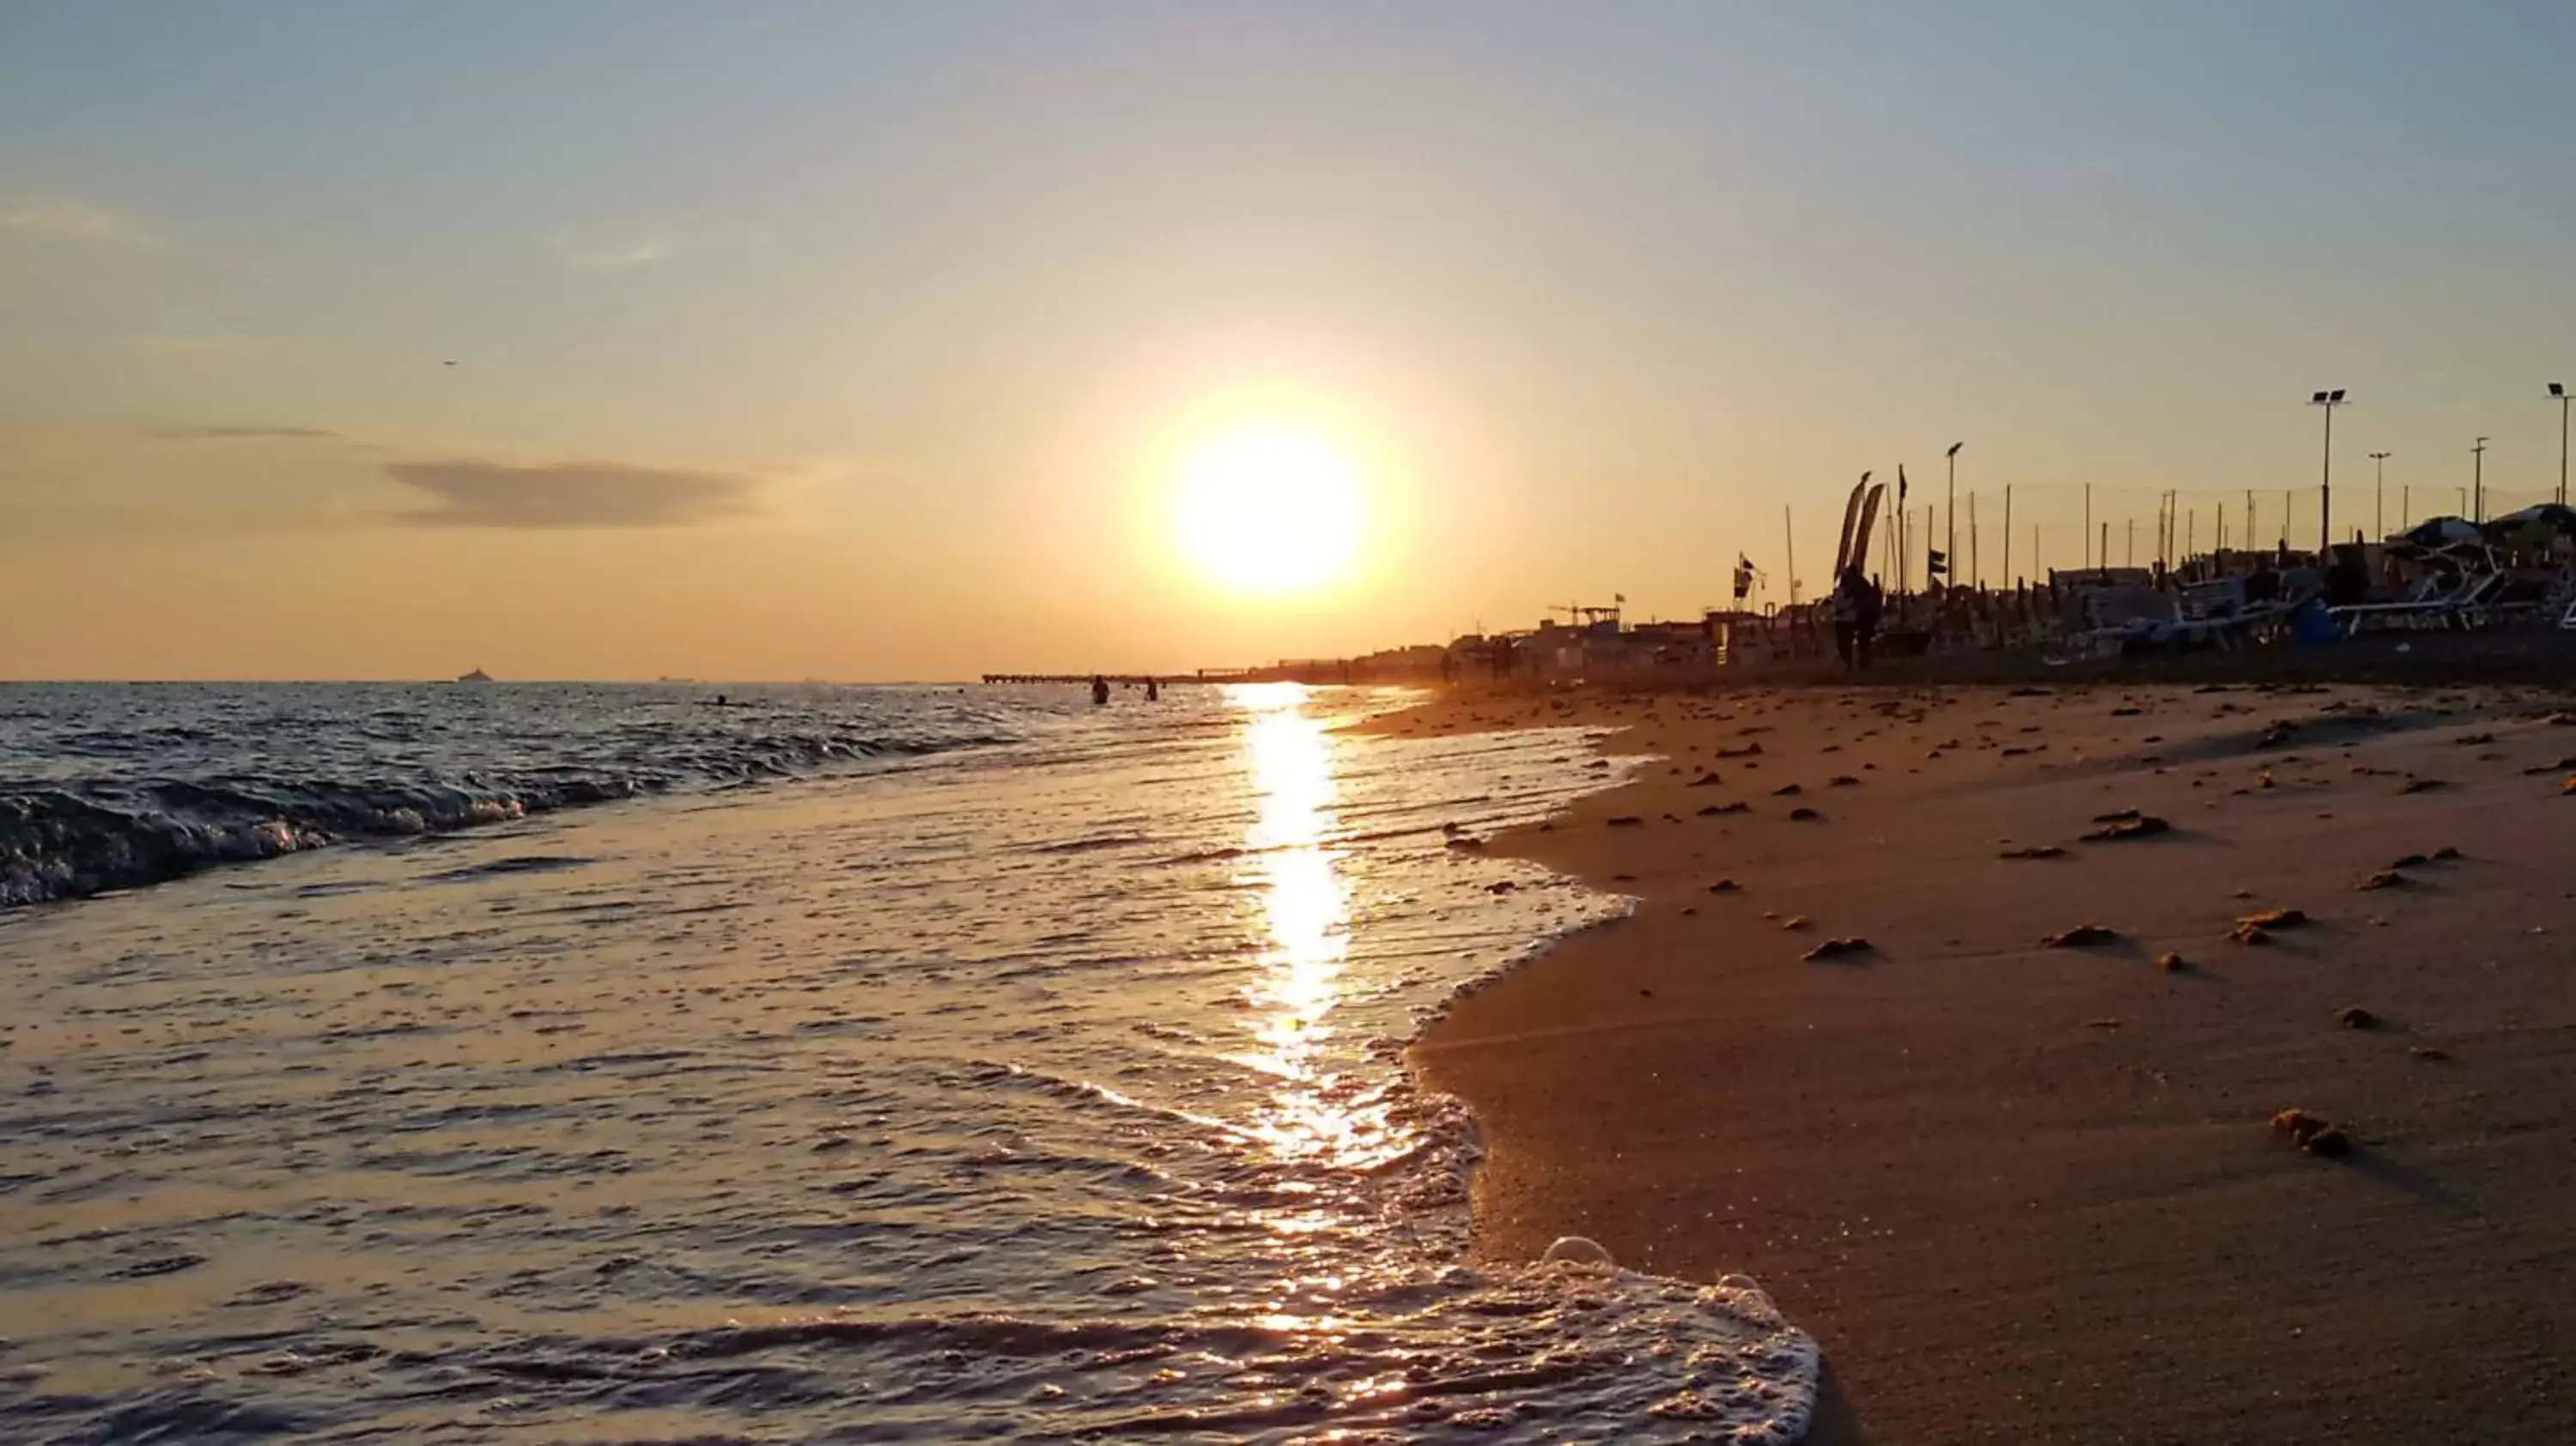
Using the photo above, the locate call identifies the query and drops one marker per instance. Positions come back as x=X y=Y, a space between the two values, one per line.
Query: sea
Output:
x=533 y=1063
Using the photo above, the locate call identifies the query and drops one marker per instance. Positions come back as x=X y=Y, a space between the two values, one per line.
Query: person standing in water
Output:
x=1099 y=691
x=1153 y=691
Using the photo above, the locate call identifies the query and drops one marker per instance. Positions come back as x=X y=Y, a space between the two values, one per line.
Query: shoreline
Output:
x=2021 y=1193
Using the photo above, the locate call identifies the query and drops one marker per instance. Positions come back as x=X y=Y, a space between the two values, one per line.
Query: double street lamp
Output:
x=2379 y=490
x=1951 y=556
x=2560 y=393
x=2325 y=502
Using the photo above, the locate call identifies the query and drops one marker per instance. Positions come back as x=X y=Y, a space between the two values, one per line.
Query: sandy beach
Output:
x=2024 y=1192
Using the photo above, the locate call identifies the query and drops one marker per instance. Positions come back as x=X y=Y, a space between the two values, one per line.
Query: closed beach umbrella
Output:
x=2439 y=532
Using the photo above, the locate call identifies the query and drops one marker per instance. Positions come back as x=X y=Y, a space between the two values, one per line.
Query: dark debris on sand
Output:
x=2127 y=824
x=2079 y=937
x=2312 y=1133
x=1835 y=948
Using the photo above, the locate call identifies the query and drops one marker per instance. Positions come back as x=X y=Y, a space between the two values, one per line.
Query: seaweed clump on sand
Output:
x=2081 y=936
x=2128 y=823
x=2313 y=1133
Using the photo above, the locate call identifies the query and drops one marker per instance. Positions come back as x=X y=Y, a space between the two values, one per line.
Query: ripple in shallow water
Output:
x=853 y=1113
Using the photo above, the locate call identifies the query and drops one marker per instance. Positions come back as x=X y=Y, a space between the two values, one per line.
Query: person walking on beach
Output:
x=1857 y=603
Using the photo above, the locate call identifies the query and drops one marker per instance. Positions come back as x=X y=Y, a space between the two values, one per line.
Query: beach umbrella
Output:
x=2439 y=532
x=2544 y=517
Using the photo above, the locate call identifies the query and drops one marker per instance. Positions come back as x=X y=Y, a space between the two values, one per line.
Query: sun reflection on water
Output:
x=1312 y=1114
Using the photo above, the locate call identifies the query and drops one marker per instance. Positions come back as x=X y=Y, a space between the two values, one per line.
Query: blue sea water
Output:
x=866 y=1065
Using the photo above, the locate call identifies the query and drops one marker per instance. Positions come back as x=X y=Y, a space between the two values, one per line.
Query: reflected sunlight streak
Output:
x=1307 y=909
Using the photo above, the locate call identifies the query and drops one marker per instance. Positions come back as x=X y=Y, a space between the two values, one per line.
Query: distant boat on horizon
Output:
x=477 y=676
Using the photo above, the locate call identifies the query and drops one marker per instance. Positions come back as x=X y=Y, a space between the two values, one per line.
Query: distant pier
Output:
x=1124 y=680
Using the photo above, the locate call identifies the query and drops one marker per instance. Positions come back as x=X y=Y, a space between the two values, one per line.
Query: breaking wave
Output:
x=91 y=801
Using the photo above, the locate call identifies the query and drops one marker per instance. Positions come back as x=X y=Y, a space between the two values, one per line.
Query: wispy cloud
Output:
x=472 y=493
x=612 y=249
x=642 y=253
x=248 y=434
x=214 y=345
x=648 y=247
x=71 y=219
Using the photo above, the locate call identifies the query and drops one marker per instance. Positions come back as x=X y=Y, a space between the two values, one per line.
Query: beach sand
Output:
x=2025 y=1193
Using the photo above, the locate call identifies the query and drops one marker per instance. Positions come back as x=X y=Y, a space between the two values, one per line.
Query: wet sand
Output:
x=2025 y=1193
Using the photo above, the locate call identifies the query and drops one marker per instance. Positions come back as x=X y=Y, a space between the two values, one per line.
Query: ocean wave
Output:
x=73 y=839
x=1571 y=1347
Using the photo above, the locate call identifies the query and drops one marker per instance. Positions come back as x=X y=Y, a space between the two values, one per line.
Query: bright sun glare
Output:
x=1270 y=510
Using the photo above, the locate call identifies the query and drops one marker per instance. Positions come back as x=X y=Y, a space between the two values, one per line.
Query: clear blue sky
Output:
x=847 y=340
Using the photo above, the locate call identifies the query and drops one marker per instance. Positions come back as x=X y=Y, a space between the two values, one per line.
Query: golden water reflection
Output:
x=1289 y=856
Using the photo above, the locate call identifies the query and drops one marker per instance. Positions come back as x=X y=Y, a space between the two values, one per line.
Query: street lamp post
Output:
x=1951 y=551
x=2478 y=481
x=2325 y=499
x=2560 y=393
x=2379 y=492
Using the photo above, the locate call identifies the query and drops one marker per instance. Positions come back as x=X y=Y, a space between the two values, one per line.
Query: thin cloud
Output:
x=571 y=494
x=248 y=434
x=593 y=251
x=217 y=346
x=73 y=220
x=643 y=253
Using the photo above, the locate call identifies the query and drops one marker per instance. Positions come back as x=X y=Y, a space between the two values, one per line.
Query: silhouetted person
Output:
x=1857 y=603
x=1099 y=691
x=2262 y=584
x=1153 y=691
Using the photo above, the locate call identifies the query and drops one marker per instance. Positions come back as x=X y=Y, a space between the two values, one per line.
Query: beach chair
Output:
x=2439 y=602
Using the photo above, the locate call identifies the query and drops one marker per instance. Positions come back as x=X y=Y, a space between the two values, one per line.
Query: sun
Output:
x=1270 y=510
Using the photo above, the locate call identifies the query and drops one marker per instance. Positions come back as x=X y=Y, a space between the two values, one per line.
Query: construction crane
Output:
x=1591 y=614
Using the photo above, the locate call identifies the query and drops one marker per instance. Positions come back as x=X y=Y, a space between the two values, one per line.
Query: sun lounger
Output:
x=2460 y=607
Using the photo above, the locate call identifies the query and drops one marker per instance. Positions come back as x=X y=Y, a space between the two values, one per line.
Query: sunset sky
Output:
x=870 y=341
